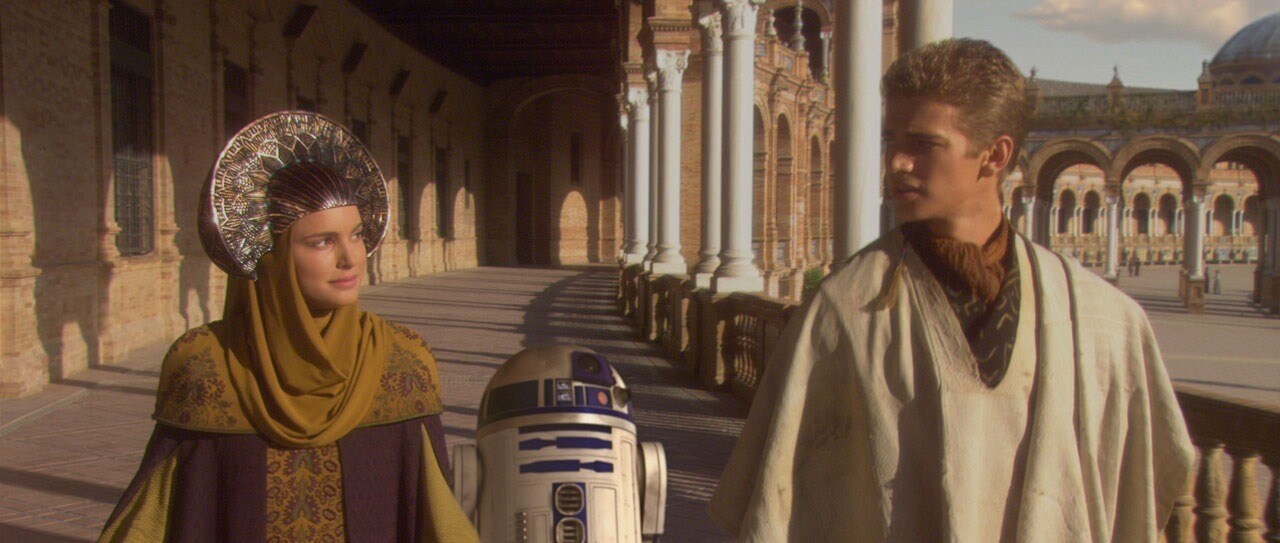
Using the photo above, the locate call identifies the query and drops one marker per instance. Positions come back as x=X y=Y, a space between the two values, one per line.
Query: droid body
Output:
x=556 y=458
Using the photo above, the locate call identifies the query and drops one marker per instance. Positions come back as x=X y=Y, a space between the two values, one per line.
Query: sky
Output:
x=1155 y=43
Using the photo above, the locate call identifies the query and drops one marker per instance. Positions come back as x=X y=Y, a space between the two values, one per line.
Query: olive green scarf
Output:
x=301 y=381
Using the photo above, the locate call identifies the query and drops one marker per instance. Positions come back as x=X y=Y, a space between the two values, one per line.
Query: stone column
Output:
x=737 y=272
x=1193 y=236
x=1113 y=236
x=655 y=152
x=825 y=73
x=1271 y=244
x=797 y=38
x=859 y=31
x=1029 y=214
x=924 y=21
x=1194 y=254
x=671 y=66
x=712 y=139
x=1272 y=249
x=638 y=163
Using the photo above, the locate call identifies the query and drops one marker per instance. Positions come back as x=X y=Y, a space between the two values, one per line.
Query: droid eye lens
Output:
x=590 y=364
x=621 y=396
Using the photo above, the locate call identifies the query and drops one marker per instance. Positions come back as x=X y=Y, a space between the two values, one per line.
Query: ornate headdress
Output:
x=274 y=171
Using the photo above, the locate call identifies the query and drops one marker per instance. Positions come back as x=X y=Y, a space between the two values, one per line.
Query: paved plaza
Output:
x=67 y=453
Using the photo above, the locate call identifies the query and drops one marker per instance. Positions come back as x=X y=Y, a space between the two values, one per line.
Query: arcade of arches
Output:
x=1155 y=200
x=514 y=133
x=502 y=144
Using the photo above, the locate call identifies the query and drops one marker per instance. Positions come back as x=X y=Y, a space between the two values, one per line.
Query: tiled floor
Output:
x=66 y=454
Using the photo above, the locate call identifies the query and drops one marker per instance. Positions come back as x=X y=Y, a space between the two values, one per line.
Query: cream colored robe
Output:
x=872 y=425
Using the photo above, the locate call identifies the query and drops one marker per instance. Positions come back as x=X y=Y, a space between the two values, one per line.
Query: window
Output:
x=131 y=133
x=235 y=99
x=575 y=158
x=405 y=207
x=444 y=207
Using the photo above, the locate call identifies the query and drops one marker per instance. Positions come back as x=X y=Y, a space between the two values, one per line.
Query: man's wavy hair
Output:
x=975 y=77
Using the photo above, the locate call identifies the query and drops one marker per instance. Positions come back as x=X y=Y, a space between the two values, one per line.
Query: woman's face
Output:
x=329 y=256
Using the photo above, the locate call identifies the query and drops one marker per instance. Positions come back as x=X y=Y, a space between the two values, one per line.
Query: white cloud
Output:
x=1208 y=22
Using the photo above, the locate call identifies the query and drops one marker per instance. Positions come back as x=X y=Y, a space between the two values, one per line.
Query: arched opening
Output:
x=1142 y=214
x=810 y=41
x=1224 y=209
x=814 y=206
x=1168 y=216
x=1248 y=167
x=557 y=158
x=528 y=171
x=759 y=173
x=1065 y=224
x=784 y=193
x=1067 y=164
x=1252 y=223
x=1162 y=221
x=1092 y=210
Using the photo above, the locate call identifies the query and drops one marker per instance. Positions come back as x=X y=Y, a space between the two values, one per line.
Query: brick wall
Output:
x=69 y=299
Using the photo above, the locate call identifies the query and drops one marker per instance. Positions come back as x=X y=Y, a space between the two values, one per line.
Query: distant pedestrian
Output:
x=1217 y=281
x=1137 y=267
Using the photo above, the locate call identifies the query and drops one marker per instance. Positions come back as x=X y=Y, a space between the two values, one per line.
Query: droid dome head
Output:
x=556 y=380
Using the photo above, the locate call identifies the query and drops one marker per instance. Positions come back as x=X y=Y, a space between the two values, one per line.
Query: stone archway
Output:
x=1045 y=165
x=1260 y=154
x=545 y=177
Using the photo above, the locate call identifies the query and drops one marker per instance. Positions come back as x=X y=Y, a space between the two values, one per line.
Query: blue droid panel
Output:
x=570 y=512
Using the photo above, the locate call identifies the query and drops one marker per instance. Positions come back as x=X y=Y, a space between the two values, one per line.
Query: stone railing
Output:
x=1155 y=110
x=725 y=341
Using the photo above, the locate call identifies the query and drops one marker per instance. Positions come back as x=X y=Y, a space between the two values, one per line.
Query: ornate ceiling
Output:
x=494 y=39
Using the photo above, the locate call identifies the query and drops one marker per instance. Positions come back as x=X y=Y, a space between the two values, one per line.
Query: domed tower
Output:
x=1247 y=66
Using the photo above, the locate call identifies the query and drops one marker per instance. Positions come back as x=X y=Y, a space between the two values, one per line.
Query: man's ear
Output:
x=999 y=155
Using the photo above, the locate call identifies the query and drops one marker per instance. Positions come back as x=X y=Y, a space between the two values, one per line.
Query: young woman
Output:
x=297 y=417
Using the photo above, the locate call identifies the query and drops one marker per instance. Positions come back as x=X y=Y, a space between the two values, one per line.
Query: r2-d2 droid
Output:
x=556 y=458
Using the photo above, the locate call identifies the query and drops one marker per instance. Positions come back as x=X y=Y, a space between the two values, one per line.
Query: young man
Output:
x=952 y=381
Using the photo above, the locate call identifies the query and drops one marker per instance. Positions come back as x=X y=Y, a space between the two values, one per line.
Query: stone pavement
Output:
x=1232 y=349
x=67 y=454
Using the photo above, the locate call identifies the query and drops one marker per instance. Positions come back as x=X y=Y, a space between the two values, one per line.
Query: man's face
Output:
x=329 y=257
x=929 y=170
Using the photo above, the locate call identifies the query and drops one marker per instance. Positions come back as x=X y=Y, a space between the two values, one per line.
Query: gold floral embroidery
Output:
x=193 y=391
x=304 y=495
x=408 y=388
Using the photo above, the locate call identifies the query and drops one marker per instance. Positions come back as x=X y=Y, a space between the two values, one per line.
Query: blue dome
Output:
x=1258 y=41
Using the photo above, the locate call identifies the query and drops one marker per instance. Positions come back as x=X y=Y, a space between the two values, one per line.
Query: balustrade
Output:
x=726 y=340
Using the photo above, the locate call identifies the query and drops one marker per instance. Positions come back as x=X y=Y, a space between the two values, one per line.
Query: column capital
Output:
x=671 y=65
x=651 y=78
x=637 y=98
x=740 y=17
x=709 y=27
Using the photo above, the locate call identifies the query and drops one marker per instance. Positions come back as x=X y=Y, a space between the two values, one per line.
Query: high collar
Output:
x=963 y=264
